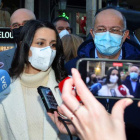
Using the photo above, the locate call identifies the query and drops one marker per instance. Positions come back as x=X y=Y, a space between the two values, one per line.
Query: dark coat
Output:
x=6 y=57
x=127 y=83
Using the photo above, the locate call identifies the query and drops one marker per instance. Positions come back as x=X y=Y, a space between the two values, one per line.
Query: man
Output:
x=123 y=75
x=17 y=20
x=62 y=26
x=109 y=34
x=132 y=82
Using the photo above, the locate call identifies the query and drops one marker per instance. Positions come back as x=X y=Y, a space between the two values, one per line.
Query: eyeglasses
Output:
x=113 y=30
x=17 y=25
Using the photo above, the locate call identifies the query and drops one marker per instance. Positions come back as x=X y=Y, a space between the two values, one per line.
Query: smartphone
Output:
x=48 y=99
x=94 y=73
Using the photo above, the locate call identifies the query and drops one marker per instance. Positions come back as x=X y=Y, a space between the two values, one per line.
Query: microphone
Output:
x=113 y=92
x=95 y=88
x=61 y=84
x=122 y=90
x=5 y=81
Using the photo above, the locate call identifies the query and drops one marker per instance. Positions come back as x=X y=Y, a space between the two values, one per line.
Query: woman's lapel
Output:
x=15 y=112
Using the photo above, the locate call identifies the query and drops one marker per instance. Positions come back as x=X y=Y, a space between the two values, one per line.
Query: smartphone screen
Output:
x=107 y=78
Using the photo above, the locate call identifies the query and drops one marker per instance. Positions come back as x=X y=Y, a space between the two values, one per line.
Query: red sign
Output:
x=117 y=64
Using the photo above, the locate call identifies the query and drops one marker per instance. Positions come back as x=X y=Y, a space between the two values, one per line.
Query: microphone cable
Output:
x=63 y=121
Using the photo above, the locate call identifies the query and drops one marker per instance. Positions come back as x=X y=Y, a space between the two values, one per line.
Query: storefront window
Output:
x=4 y=48
x=6 y=10
x=80 y=23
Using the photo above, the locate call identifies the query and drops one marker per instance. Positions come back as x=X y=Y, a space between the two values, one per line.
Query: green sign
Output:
x=64 y=15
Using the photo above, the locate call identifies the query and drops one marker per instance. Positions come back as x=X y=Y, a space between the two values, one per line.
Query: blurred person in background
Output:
x=17 y=21
x=123 y=75
x=62 y=25
x=38 y=61
x=71 y=43
x=93 y=79
x=132 y=82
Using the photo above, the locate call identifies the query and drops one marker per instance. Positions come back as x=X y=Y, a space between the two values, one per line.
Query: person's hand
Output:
x=59 y=124
x=130 y=96
x=139 y=104
x=91 y=120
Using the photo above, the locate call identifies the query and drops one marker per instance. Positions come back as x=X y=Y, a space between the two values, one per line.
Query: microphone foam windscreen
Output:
x=5 y=80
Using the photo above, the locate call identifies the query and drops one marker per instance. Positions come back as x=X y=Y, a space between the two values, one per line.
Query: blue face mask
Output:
x=134 y=75
x=108 y=43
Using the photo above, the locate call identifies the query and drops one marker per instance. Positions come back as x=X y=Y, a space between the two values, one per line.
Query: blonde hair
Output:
x=70 y=45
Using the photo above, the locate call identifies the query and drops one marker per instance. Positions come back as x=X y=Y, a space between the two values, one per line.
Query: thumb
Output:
x=119 y=107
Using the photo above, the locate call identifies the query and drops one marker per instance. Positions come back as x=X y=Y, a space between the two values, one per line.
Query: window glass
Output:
x=6 y=10
x=80 y=23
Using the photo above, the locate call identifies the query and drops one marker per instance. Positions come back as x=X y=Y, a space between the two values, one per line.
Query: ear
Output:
x=126 y=35
x=91 y=32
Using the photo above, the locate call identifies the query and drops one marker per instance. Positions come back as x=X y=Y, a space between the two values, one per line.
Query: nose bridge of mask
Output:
x=40 y=51
x=45 y=49
x=107 y=36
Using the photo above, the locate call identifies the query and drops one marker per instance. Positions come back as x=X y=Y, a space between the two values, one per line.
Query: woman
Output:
x=38 y=61
x=113 y=86
x=70 y=45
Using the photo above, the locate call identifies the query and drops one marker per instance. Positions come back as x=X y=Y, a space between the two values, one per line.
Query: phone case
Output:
x=47 y=98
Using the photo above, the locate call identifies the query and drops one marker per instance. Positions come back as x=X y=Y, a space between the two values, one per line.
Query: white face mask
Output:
x=87 y=80
x=122 y=74
x=113 y=78
x=42 y=58
x=63 y=33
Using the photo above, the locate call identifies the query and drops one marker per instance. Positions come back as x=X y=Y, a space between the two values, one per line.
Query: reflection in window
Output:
x=4 y=17
x=80 y=23
x=4 y=48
